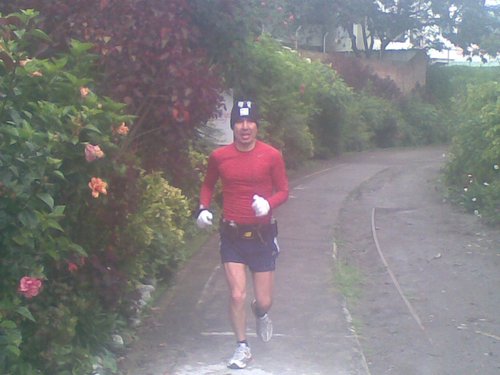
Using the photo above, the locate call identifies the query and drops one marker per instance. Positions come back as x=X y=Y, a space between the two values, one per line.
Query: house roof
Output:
x=403 y=55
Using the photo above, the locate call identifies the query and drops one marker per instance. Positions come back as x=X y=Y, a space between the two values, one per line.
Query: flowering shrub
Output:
x=73 y=205
x=154 y=58
x=81 y=225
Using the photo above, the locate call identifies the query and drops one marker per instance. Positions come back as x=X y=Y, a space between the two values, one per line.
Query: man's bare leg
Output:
x=263 y=284
x=236 y=279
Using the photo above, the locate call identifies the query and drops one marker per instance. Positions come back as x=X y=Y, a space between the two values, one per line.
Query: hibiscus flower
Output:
x=122 y=129
x=29 y=286
x=84 y=91
x=98 y=186
x=93 y=152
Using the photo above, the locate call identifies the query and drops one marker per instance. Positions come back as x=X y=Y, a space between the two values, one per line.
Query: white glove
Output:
x=204 y=219
x=260 y=206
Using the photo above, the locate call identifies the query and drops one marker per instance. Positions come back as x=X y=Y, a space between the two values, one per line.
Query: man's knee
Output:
x=238 y=297
x=264 y=304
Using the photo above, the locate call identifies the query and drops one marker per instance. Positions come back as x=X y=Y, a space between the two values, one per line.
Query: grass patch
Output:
x=348 y=280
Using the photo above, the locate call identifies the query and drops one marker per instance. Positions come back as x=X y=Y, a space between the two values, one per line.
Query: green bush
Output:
x=153 y=239
x=473 y=172
x=303 y=102
x=380 y=119
x=273 y=75
x=424 y=123
x=356 y=136
x=447 y=82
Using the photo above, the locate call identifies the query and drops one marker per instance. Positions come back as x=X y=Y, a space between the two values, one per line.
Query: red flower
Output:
x=180 y=113
x=29 y=286
x=72 y=267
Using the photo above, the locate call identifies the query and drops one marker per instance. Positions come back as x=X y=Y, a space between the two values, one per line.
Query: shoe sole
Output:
x=234 y=366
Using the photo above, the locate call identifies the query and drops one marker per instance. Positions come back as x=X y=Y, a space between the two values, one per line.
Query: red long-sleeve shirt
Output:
x=260 y=171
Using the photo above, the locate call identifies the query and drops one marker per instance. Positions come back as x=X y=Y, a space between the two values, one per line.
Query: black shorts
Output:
x=257 y=250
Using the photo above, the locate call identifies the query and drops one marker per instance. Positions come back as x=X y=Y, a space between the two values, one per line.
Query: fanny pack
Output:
x=263 y=232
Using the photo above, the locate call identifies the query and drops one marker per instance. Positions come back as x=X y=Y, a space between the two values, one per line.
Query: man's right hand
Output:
x=204 y=218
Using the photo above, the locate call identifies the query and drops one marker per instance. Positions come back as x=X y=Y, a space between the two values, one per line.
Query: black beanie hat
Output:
x=244 y=109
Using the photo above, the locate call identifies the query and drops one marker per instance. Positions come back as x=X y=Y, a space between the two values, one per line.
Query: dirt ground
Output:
x=422 y=297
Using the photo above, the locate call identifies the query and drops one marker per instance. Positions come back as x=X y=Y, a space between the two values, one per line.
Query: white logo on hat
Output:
x=246 y=104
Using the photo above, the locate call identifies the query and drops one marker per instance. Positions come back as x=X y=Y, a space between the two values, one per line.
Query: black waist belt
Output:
x=250 y=231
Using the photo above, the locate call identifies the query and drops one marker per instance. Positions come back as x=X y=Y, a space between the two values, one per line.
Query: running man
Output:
x=254 y=182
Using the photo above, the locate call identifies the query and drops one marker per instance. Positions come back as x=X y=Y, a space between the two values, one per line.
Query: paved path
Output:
x=190 y=333
x=429 y=301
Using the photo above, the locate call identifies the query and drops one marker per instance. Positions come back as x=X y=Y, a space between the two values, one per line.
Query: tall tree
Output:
x=469 y=24
x=424 y=23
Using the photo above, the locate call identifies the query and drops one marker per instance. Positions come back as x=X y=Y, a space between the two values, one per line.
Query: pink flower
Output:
x=98 y=186
x=72 y=267
x=29 y=286
x=37 y=74
x=93 y=152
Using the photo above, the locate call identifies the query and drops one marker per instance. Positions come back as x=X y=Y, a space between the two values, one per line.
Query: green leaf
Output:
x=77 y=248
x=10 y=130
x=53 y=254
x=92 y=128
x=54 y=162
x=59 y=175
x=14 y=170
x=7 y=324
x=26 y=313
x=21 y=240
x=61 y=63
x=28 y=219
x=54 y=225
x=58 y=211
x=47 y=198
x=14 y=350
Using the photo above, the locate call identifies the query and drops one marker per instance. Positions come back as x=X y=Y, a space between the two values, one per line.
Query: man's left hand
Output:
x=260 y=206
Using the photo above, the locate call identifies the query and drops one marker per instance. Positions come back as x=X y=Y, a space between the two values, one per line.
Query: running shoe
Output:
x=264 y=324
x=240 y=358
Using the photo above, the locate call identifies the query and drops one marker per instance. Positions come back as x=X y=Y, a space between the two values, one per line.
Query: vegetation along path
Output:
x=377 y=275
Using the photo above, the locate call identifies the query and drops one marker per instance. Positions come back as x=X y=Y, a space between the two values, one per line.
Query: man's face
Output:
x=245 y=134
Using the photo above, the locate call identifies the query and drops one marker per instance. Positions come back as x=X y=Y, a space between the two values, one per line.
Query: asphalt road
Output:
x=428 y=296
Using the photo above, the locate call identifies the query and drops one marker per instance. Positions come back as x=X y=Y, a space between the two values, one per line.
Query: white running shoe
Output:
x=264 y=324
x=240 y=358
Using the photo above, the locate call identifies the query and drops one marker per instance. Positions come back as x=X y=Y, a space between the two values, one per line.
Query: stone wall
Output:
x=407 y=68
x=408 y=72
